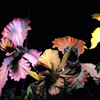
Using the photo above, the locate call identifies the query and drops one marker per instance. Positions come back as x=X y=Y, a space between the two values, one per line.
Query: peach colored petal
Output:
x=53 y=90
x=90 y=68
x=81 y=77
x=63 y=42
x=50 y=58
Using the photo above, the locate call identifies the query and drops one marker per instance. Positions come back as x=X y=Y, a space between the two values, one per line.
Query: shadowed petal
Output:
x=7 y=46
x=4 y=72
x=55 y=88
x=81 y=77
x=22 y=64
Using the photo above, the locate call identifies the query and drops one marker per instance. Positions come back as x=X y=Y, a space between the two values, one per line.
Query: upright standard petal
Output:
x=63 y=42
x=95 y=38
x=50 y=58
x=16 y=31
x=4 y=72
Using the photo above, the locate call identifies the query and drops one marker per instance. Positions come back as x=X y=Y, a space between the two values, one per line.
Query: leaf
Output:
x=97 y=68
x=31 y=95
x=29 y=92
x=35 y=75
x=65 y=57
x=9 y=94
x=79 y=84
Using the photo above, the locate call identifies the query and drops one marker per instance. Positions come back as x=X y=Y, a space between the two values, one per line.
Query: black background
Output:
x=51 y=19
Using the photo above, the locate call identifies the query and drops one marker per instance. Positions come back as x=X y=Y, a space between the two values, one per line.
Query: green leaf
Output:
x=79 y=84
x=64 y=58
x=97 y=68
x=31 y=90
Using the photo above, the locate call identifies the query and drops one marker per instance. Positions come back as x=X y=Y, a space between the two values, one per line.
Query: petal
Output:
x=5 y=44
x=16 y=31
x=96 y=16
x=31 y=58
x=53 y=90
x=35 y=53
x=63 y=42
x=95 y=38
x=90 y=68
x=4 y=72
x=81 y=77
x=21 y=73
x=50 y=58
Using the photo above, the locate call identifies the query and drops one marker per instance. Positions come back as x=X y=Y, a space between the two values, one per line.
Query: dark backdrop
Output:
x=51 y=19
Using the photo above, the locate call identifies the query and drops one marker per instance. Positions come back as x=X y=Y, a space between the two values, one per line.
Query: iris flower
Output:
x=17 y=59
x=78 y=71
x=51 y=74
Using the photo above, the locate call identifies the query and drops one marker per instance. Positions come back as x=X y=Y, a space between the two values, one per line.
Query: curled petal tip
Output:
x=96 y=16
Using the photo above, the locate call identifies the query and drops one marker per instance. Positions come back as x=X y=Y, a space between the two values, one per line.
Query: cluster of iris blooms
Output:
x=53 y=74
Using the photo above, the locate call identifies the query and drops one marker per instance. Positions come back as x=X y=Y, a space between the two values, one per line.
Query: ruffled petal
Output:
x=63 y=42
x=55 y=88
x=95 y=38
x=21 y=73
x=4 y=72
x=23 y=64
x=16 y=31
x=35 y=53
x=7 y=46
x=90 y=68
x=50 y=58
x=31 y=57
x=96 y=16
x=82 y=77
